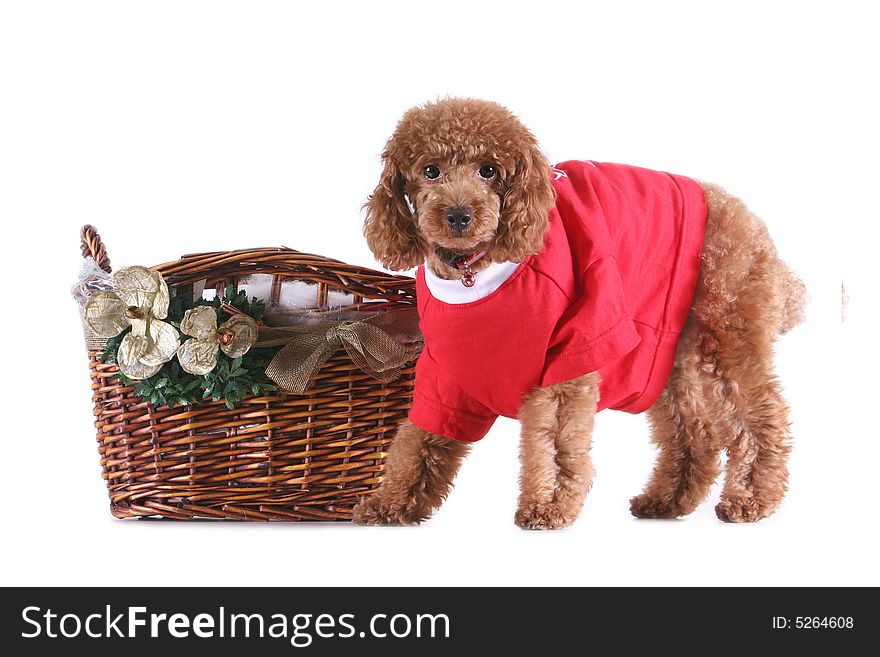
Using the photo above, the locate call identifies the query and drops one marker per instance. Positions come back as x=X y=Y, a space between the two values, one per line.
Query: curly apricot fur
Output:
x=722 y=393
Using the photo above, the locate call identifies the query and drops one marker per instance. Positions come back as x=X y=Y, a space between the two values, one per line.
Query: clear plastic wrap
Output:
x=91 y=279
x=289 y=301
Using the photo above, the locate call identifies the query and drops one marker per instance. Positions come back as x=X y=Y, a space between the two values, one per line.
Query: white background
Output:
x=190 y=126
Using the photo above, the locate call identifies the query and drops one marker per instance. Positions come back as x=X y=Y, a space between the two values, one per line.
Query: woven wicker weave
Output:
x=279 y=457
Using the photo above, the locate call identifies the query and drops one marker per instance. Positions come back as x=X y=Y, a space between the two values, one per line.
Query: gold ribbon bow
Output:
x=308 y=347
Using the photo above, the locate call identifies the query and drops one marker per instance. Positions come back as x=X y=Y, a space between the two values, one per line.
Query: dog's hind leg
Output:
x=758 y=440
x=418 y=475
x=557 y=428
x=757 y=474
x=746 y=297
x=682 y=428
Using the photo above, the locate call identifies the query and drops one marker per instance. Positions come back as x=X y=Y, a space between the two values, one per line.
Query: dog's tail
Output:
x=794 y=302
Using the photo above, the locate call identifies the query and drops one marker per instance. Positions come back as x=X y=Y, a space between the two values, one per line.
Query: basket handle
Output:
x=93 y=246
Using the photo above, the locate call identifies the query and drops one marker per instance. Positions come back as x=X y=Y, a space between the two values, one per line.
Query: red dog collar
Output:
x=462 y=263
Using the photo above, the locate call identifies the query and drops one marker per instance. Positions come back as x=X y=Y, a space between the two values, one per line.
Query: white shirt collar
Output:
x=487 y=281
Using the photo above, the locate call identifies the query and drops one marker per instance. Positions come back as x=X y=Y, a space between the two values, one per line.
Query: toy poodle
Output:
x=548 y=293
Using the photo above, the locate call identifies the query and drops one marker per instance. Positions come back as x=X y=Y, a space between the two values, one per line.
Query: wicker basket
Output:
x=279 y=457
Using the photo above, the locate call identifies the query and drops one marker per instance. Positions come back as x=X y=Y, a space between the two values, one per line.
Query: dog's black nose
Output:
x=458 y=218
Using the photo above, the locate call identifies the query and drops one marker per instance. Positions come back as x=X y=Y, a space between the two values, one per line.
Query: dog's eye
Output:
x=487 y=171
x=432 y=172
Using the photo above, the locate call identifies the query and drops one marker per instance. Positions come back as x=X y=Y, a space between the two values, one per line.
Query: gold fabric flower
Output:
x=140 y=300
x=198 y=355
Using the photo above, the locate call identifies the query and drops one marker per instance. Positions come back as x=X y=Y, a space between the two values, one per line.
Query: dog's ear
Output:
x=390 y=227
x=525 y=206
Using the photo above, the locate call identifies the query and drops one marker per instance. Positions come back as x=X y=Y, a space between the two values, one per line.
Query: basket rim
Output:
x=281 y=261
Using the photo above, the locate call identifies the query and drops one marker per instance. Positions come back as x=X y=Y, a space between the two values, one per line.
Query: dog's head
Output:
x=461 y=176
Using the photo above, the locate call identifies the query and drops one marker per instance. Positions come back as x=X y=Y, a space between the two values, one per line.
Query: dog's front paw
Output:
x=374 y=511
x=743 y=509
x=543 y=516
x=649 y=506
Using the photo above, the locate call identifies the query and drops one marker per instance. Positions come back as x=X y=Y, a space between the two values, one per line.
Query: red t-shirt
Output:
x=609 y=292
